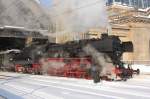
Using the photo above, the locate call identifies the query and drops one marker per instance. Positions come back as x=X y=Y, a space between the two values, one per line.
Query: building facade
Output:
x=130 y=20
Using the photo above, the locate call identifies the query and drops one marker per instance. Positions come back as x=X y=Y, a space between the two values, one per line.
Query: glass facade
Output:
x=132 y=3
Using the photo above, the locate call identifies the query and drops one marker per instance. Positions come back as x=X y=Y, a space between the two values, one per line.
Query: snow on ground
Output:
x=145 y=69
x=24 y=86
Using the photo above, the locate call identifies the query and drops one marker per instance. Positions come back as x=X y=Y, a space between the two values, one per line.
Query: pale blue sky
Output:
x=46 y=2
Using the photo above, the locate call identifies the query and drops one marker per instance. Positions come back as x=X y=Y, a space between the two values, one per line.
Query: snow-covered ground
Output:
x=145 y=69
x=24 y=86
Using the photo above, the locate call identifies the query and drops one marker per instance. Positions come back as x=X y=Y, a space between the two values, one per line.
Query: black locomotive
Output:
x=110 y=47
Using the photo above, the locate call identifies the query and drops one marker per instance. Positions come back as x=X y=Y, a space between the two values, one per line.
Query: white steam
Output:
x=78 y=15
x=103 y=66
x=50 y=65
x=23 y=13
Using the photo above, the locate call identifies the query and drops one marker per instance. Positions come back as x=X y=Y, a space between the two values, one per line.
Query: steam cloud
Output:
x=23 y=13
x=103 y=66
x=46 y=65
x=78 y=15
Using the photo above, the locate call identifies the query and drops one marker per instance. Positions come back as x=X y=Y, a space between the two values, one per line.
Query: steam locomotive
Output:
x=79 y=59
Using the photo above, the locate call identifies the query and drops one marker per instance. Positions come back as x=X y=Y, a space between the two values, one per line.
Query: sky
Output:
x=46 y=2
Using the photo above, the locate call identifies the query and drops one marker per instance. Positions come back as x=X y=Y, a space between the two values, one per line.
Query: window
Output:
x=140 y=5
x=109 y=2
x=145 y=3
x=132 y=2
x=148 y=2
x=117 y=0
x=125 y=2
x=136 y=3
